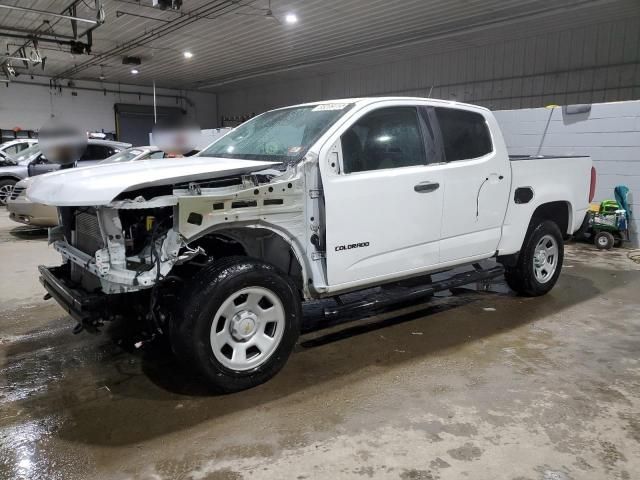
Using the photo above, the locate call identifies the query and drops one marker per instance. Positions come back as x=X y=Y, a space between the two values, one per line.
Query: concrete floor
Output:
x=473 y=385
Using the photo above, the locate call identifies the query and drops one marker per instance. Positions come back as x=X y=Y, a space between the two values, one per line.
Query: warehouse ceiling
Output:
x=233 y=42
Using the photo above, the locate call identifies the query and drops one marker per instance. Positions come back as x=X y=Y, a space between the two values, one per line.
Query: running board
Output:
x=413 y=294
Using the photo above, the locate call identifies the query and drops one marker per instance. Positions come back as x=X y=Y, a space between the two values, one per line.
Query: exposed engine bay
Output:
x=134 y=242
x=148 y=243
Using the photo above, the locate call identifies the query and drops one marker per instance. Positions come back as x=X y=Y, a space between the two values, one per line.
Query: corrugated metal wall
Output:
x=597 y=63
x=609 y=133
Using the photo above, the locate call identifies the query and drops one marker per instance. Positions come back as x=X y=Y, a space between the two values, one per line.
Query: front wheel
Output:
x=604 y=240
x=540 y=261
x=6 y=188
x=238 y=323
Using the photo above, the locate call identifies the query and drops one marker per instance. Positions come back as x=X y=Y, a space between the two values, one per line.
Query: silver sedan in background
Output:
x=31 y=162
x=22 y=210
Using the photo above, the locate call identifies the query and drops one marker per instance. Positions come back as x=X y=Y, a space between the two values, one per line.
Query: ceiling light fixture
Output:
x=188 y=54
x=291 y=18
x=134 y=71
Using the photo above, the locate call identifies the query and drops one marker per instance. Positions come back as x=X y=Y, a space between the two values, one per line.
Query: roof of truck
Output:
x=368 y=100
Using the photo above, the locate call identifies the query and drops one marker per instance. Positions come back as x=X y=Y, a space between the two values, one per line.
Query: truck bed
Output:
x=516 y=158
x=545 y=176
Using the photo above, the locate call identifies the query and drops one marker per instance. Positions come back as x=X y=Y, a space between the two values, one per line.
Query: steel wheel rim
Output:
x=247 y=328
x=545 y=258
x=603 y=241
x=5 y=193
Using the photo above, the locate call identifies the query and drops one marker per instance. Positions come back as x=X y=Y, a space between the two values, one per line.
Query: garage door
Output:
x=134 y=123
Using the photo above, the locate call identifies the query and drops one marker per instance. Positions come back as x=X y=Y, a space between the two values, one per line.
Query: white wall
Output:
x=29 y=106
x=609 y=133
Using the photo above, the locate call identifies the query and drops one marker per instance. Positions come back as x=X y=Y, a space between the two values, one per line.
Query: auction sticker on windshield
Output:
x=329 y=106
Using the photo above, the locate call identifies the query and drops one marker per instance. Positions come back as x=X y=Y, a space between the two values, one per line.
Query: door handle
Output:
x=426 y=187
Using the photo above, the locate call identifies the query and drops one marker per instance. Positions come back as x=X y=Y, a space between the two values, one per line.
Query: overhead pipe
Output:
x=120 y=13
x=41 y=38
x=31 y=32
x=35 y=35
x=50 y=14
x=108 y=90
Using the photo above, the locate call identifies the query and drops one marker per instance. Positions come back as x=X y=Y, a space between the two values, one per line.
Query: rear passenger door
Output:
x=383 y=199
x=477 y=180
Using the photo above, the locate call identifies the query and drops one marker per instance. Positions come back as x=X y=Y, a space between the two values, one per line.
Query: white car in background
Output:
x=14 y=147
x=22 y=210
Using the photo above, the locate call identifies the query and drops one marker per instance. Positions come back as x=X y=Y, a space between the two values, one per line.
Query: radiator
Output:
x=88 y=237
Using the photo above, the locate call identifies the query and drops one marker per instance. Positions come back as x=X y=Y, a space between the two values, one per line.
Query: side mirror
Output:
x=30 y=169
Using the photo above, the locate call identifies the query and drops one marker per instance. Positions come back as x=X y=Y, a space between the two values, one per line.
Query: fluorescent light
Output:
x=188 y=54
x=134 y=71
x=291 y=18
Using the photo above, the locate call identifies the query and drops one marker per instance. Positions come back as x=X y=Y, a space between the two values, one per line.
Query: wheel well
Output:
x=8 y=177
x=259 y=243
x=557 y=212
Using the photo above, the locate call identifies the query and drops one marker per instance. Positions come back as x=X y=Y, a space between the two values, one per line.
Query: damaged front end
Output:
x=117 y=250
x=121 y=258
x=111 y=255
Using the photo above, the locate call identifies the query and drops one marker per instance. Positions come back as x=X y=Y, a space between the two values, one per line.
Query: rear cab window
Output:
x=465 y=134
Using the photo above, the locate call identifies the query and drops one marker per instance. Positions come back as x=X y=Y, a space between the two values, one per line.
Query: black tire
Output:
x=618 y=241
x=205 y=294
x=604 y=240
x=4 y=184
x=521 y=278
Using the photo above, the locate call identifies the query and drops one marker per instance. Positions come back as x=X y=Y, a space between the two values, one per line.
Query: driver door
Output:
x=41 y=165
x=384 y=205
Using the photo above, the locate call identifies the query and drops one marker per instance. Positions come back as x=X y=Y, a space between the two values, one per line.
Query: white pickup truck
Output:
x=220 y=250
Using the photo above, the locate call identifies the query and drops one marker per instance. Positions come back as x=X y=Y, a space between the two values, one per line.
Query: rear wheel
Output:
x=6 y=187
x=604 y=241
x=238 y=324
x=540 y=261
x=618 y=241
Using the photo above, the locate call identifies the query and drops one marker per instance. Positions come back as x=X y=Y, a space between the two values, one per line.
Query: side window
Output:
x=97 y=152
x=40 y=160
x=465 y=134
x=89 y=153
x=12 y=150
x=387 y=138
x=157 y=155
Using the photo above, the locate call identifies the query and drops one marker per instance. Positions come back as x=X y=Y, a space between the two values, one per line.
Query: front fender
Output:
x=277 y=206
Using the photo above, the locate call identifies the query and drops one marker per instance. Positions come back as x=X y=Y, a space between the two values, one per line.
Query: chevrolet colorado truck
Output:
x=219 y=251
